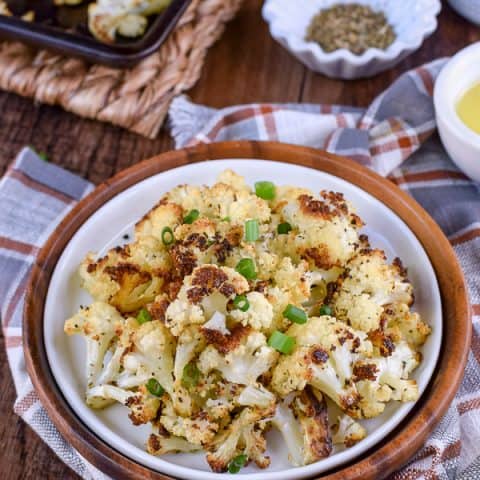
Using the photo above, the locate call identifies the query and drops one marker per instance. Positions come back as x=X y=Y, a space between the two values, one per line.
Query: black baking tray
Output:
x=64 y=30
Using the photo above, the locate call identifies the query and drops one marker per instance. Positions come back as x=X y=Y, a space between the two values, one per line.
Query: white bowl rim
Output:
x=444 y=104
x=299 y=45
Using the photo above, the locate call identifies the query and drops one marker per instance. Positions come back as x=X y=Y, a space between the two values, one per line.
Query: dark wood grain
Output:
x=245 y=66
x=401 y=444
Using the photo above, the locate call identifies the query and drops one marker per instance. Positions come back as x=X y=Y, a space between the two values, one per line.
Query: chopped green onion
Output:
x=281 y=342
x=226 y=219
x=155 y=388
x=191 y=375
x=283 y=228
x=265 y=190
x=325 y=310
x=237 y=463
x=252 y=231
x=167 y=236
x=191 y=216
x=241 y=303
x=295 y=314
x=144 y=316
x=246 y=267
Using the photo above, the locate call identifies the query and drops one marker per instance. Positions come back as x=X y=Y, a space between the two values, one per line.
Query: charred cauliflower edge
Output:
x=230 y=314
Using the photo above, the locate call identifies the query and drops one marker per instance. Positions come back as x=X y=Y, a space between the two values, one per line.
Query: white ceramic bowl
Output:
x=470 y=9
x=413 y=20
x=461 y=143
x=105 y=229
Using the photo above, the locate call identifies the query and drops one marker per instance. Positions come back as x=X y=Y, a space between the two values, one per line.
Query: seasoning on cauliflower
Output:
x=244 y=435
x=206 y=291
x=161 y=442
x=310 y=410
x=347 y=431
x=98 y=323
x=241 y=357
x=197 y=429
x=324 y=357
x=324 y=230
x=143 y=406
x=368 y=284
x=127 y=277
x=259 y=314
x=401 y=323
x=382 y=378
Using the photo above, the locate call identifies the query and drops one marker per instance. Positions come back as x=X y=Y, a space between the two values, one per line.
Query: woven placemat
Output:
x=136 y=98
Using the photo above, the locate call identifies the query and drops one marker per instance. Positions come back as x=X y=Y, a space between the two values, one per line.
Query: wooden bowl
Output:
x=380 y=461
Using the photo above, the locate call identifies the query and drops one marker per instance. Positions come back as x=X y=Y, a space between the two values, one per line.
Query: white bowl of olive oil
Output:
x=457 y=109
x=290 y=21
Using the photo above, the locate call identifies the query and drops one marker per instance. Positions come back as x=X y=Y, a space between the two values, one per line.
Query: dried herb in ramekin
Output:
x=351 y=26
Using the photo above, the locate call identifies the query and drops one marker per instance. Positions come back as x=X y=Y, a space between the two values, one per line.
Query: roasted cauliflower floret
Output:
x=127 y=277
x=143 y=406
x=98 y=323
x=256 y=396
x=380 y=379
x=150 y=356
x=161 y=442
x=107 y=18
x=347 y=431
x=241 y=357
x=303 y=423
x=368 y=284
x=198 y=429
x=203 y=293
x=402 y=323
x=310 y=410
x=244 y=435
x=324 y=356
x=324 y=230
x=259 y=314
x=163 y=215
x=225 y=201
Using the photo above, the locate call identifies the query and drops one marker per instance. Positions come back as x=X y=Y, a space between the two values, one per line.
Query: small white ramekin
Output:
x=413 y=20
x=461 y=143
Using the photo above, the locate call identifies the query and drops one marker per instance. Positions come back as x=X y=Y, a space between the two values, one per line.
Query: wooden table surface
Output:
x=246 y=65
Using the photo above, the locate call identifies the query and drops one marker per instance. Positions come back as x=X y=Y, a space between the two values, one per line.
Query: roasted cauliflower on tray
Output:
x=235 y=311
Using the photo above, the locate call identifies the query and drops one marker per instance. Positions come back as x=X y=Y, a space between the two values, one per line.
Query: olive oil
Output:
x=468 y=108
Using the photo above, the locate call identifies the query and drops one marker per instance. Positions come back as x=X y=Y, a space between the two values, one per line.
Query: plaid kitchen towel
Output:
x=35 y=196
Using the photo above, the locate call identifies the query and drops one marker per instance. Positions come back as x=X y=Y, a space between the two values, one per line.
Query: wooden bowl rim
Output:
x=401 y=444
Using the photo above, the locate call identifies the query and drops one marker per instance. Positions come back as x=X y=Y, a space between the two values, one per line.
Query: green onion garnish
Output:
x=191 y=216
x=167 y=236
x=191 y=375
x=241 y=303
x=283 y=228
x=237 y=463
x=295 y=314
x=144 y=316
x=226 y=219
x=252 y=231
x=281 y=342
x=246 y=267
x=155 y=388
x=265 y=190
x=325 y=310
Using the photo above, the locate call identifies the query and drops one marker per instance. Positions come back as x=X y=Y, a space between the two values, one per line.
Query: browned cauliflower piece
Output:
x=367 y=286
x=244 y=435
x=127 y=277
